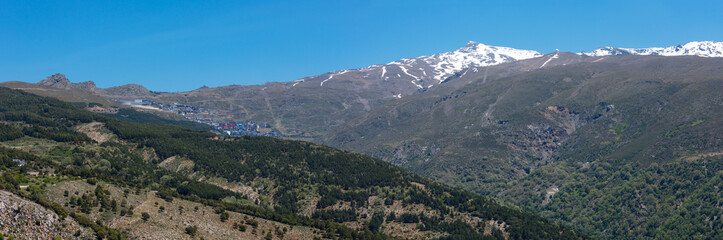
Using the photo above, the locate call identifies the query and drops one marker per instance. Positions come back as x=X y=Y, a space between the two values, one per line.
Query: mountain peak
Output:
x=473 y=44
x=56 y=80
x=60 y=81
x=439 y=66
x=695 y=48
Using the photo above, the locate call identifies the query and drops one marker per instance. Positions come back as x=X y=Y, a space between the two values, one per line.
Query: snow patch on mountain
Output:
x=549 y=59
x=332 y=76
x=701 y=49
x=406 y=72
x=600 y=59
x=416 y=84
x=297 y=82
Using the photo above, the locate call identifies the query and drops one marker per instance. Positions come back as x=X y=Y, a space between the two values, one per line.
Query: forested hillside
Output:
x=622 y=146
x=290 y=187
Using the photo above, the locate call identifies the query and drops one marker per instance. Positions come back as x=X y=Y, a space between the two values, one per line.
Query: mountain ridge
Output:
x=695 y=48
x=312 y=105
x=439 y=66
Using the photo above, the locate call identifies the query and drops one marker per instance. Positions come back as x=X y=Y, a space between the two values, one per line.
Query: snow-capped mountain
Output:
x=406 y=76
x=474 y=54
x=701 y=49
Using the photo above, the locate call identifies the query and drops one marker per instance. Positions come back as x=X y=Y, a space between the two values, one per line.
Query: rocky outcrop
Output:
x=127 y=91
x=87 y=85
x=24 y=219
x=60 y=81
x=57 y=81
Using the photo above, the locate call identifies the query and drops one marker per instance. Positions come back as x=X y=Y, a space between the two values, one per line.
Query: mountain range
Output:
x=311 y=106
x=618 y=142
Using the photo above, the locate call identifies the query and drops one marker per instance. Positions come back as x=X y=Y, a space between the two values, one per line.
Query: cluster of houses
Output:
x=201 y=115
x=183 y=109
x=247 y=129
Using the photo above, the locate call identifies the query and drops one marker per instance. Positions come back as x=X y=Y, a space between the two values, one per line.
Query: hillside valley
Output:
x=615 y=143
x=115 y=179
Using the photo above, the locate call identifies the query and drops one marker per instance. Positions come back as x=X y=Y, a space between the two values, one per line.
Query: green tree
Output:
x=192 y=230
x=224 y=216
x=376 y=222
x=145 y=216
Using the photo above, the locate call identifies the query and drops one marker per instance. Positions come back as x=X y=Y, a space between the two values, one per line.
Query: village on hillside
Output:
x=196 y=114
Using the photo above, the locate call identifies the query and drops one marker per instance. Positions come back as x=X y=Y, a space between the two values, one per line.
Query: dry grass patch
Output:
x=96 y=131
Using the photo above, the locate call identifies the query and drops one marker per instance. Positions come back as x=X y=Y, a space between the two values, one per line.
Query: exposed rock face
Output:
x=127 y=91
x=24 y=219
x=88 y=85
x=57 y=81
x=60 y=81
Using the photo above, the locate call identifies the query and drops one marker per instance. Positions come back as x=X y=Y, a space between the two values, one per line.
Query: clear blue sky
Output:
x=182 y=45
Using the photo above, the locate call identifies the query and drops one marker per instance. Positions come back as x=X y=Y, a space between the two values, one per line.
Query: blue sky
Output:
x=182 y=45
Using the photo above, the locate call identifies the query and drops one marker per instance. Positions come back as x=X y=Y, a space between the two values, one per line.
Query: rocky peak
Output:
x=60 y=81
x=57 y=81
x=472 y=44
x=86 y=85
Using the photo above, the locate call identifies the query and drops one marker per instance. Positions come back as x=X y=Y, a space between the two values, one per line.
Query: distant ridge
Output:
x=701 y=49
x=421 y=72
x=128 y=90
